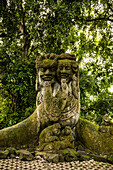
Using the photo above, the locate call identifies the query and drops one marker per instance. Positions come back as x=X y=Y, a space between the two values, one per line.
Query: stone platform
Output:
x=41 y=164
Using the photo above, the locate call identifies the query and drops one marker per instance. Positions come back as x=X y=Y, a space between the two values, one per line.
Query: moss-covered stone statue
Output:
x=58 y=90
x=57 y=99
x=55 y=127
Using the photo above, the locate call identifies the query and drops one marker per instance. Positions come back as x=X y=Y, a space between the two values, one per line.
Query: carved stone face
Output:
x=47 y=70
x=64 y=70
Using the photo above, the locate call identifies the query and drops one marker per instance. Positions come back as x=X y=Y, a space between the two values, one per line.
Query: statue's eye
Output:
x=60 y=67
x=67 y=68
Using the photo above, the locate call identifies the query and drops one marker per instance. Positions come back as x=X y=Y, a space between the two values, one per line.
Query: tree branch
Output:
x=26 y=39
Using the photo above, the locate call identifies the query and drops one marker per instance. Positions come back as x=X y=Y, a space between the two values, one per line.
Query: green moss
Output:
x=91 y=137
x=110 y=159
x=85 y=156
x=4 y=154
x=22 y=134
x=66 y=151
x=70 y=154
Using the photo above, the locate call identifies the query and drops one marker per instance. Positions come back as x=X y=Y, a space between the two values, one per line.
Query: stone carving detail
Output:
x=53 y=138
x=58 y=94
x=106 y=120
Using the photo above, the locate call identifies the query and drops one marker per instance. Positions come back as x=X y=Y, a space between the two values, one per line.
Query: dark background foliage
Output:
x=31 y=28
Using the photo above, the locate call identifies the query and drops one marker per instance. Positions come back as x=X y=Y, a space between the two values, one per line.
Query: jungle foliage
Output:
x=31 y=28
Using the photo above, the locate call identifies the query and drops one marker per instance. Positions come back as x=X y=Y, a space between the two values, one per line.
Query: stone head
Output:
x=46 y=66
x=66 y=67
x=67 y=130
x=56 y=129
x=106 y=118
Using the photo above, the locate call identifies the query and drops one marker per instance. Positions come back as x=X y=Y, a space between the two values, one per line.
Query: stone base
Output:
x=66 y=155
x=60 y=156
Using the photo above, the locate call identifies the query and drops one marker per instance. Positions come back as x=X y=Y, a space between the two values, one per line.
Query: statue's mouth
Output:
x=64 y=75
x=47 y=77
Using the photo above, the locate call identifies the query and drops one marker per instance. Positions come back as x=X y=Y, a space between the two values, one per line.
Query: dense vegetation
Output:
x=30 y=28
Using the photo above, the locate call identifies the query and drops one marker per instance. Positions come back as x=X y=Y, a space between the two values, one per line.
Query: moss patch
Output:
x=23 y=134
x=97 y=139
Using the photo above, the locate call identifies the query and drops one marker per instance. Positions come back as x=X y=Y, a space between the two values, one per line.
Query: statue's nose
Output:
x=63 y=70
x=47 y=71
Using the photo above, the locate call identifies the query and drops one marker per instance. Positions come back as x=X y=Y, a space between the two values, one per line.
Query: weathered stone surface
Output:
x=69 y=155
x=48 y=156
x=97 y=139
x=25 y=155
x=4 y=154
x=23 y=134
x=99 y=158
x=51 y=157
x=85 y=155
x=59 y=156
x=12 y=151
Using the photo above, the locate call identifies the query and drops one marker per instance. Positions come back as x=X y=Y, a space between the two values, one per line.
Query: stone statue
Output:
x=58 y=101
x=47 y=87
x=67 y=76
x=51 y=127
x=57 y=86
x=106 y=120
